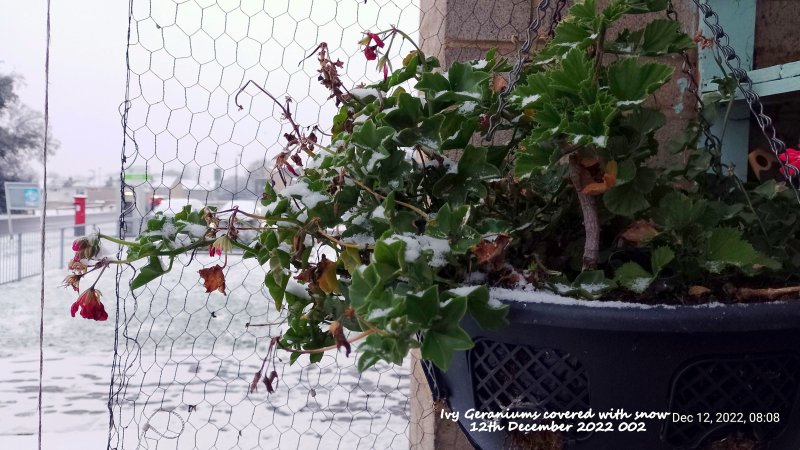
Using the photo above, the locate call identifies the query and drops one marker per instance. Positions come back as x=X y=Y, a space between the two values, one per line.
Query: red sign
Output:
x=80 y=209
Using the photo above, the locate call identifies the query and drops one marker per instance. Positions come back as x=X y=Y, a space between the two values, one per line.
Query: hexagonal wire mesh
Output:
x=184 y=360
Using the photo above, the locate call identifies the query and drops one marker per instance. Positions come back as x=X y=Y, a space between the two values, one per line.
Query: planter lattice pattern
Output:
x=507 y=377
x=765 y=384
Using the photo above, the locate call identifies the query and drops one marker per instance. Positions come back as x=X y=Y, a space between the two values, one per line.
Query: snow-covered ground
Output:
x=183 y=373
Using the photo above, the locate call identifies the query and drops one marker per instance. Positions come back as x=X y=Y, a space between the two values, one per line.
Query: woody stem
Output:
x=591 y=223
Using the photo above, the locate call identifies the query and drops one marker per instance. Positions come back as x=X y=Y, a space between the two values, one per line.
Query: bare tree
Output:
x=21 y=136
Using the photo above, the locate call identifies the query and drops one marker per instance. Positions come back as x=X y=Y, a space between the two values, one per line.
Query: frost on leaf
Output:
x=213 y=279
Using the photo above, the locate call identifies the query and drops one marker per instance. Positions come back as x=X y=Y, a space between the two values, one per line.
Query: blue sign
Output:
x=32 y=197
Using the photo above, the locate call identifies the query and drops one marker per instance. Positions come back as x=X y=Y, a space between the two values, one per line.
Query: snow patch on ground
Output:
x=184 y=348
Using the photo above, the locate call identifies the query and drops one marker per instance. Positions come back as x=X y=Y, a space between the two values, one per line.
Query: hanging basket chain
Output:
x=531 y=34
x=744 y=83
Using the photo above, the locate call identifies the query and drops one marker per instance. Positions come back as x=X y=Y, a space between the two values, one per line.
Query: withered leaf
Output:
x=492 y=253
x=213 y=279
x=499 y=83
x=640 y=231
x=337 y=331
x=297 y=160
x=609 y=180
x=210 y=218
x=254 y=383
x=408 y=57
x=268 y=381
x=298 y=243
x=321 y=277
x=697 y=291
x=326 y=270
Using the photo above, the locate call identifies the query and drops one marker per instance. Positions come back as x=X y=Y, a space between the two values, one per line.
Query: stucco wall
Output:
x=777 y=40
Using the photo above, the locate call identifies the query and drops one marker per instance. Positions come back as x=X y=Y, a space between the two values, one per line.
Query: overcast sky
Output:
x=88 y=70
x=87 y=73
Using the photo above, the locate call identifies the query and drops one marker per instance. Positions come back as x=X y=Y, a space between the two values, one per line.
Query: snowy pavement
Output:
x=186 y=365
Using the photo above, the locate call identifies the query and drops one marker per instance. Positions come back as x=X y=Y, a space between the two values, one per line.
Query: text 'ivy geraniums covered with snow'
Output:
x=416 y=216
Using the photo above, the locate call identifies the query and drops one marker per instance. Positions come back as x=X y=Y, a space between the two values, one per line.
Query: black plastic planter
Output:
x=725 y=367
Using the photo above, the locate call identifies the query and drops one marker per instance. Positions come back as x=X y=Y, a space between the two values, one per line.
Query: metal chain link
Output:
x=556 y=17
x=532 y=33
x=745 y=85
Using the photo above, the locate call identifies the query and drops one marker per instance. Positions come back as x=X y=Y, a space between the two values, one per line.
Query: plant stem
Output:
x=117 y=241
x=599 y=50
x=381 y=197
x=591 y=223
x=419 y=50
x=330 y=347
x=767 y=293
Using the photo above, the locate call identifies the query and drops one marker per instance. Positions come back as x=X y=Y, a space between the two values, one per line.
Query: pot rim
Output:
x=543 y=308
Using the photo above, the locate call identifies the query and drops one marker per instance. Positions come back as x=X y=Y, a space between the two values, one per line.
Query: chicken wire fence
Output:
x=184 y=360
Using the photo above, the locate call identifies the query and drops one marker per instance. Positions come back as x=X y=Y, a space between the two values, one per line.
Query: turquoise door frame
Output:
x=738 y=19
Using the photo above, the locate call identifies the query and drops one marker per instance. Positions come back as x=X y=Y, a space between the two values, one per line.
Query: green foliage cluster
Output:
x=406 y=224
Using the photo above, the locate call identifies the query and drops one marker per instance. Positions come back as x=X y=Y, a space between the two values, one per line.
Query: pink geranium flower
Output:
x=90 y=305
x=792 y=158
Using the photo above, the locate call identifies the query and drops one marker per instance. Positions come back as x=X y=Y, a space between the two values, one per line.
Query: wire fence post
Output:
x=19 y=256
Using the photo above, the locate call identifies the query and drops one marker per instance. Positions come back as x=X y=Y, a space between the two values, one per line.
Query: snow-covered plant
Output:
x=396 y=228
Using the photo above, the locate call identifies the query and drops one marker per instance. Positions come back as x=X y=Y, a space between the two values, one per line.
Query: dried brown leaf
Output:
x=337 y=331
x=499 y=83
x=492 y=252
x=254 y=383
x=268 y=381
x=213 y=279
x=327 y=281
x=698 y=291
x=640 y=231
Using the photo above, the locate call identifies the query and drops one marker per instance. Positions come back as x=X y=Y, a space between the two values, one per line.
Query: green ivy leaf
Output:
x=660 y=257
x=390 y=256
x=631 y=82
x=633 y=277
x=769 y=189
x=438 y=346
x=370 y=137
x=432 y=82
x=664 y=36
x=490 y=315
x=149 y=272
x=464 y=78
x=676 y=211
x=726 y=247
x=576 y=71
x=276 y=281
x=625 y=200
x=406 y=114
x=584 y=11
x=592 y=284
x=422 y=309
x=646 y=6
